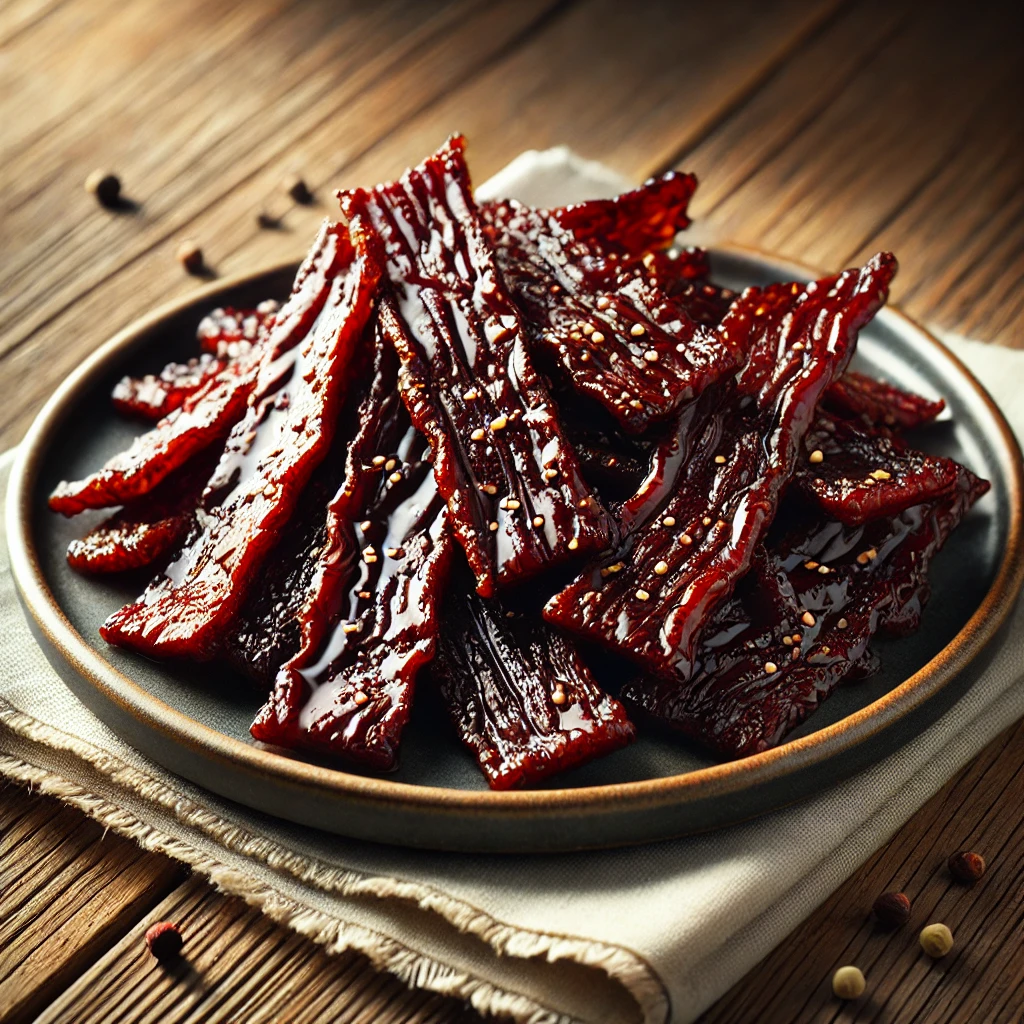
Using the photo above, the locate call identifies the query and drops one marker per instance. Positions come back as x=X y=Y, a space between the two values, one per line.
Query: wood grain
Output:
x=823 y=130
x=237 y=965
x=981 y=980
x=67 y=892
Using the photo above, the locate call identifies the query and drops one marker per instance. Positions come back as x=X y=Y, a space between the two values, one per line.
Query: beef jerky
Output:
x=270 y=455
x=348 y=690
x=878 y=404
x=607 y=324
x=520 y=696
x=518 y=503
x=801 y=623
x=651 y=600
x=209 y=414
x=855 y=476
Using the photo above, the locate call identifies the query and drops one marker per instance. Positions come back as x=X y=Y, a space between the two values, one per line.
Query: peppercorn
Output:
x=936 y=940
x=892 y=909
x=106 y=187
x=164 y=940
x=298 y=189
x=848 y=983
x=966 y=866
x=190 y=256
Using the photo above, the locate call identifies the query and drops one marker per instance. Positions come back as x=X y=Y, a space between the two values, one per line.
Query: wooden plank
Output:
x=981 y=980
x=501 y=85
x=239 y=966
x=855 y=138
x=67 y=892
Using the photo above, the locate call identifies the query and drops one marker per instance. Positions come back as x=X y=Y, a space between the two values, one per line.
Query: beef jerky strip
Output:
x=269 y=457
x=616 y=335
x=855 y=476
x=150 y=527
x=210 y=413
x=518 y=503
x=684 y=275
x=801 y=622
x=521 y=698
x=227 y=336
x=348 y=690
x=651 y=600
x=878 y=404
x=636 y=222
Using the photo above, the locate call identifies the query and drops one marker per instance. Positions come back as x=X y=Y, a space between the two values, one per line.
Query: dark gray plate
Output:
x=194 y=720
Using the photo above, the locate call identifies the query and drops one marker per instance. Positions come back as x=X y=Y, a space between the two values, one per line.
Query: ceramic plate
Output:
x=194 y=720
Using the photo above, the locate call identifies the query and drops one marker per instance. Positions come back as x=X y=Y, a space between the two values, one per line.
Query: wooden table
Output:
x=822 y=131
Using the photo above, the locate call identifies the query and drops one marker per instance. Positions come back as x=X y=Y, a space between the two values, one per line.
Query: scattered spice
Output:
x=297 y=189
x=936 y=940
x=164 y=940
x=106 y=187
x=190 y=256
x=892 y=909
x=848 y=983
x=966 y=867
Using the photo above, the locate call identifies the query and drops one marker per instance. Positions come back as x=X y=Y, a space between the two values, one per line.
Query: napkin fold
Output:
x=653 y=933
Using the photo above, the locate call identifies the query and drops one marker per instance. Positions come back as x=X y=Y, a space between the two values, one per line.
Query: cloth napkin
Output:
x=653 y=933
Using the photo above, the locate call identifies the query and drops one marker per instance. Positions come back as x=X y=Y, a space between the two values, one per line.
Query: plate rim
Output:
x=647 y=794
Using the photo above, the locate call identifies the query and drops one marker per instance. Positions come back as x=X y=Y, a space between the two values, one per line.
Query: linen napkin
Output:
x=653 y=933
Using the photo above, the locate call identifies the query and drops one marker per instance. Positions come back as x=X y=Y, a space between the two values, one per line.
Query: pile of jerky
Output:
x=499 y=441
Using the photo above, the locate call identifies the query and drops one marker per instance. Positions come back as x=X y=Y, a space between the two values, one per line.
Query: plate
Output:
x=194 y=720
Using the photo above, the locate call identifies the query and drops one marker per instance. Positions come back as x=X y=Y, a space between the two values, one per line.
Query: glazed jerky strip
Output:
x=652 y=600
x=877 y=404
x=801 y=622
x=286 y=431
x=616 y=334
x=372 y=626
x=210 y=413
x=517 y=501
x=520 y=696
x=855 y=476
x=227 y=336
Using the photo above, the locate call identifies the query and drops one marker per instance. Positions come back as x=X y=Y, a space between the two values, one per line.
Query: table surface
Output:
x=822 y=131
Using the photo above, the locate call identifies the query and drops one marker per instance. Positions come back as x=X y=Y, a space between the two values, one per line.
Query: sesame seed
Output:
x=360 y=697
x=788 y=641
x=489 y=489
x=642 y=595
x=649 y=260
x=881 y=474
x=492 y=527
x=550 y=474
x=661 y=568
x=365 y=595
x=351 y=627
x=369 y=559
x=823 y=569
x=807 y=619
x=395 y=477
x=637 y=329
x=720 y=459
x=583 y=502
x=575 y=336
x=509 y=503
x=573 y=544
x=390 y=464
x=471 y=395
x=686 y=539
x=842 y=623
x=770 y=667
x=391 y=552
x=635 y=403
x=603 y=302
x=597 y=337
x=538 y=520
x=797 y=638
x=499 y=423
x=584 y=357
x=817 y=456
x=810 y=565
x=867 y=556
x=668 y=521
x=477 y=435
x=558 y=697
x=706 y=520
x=651 y=356
x=798 y=347
x=796 y=654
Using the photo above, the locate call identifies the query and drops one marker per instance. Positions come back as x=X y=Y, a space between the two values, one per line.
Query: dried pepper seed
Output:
x=164 y=940
x=892 y=909
x=190 y=256
x=966 y=867
x=848 y=983
x=106 y=187
x=936 y=940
